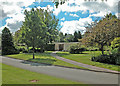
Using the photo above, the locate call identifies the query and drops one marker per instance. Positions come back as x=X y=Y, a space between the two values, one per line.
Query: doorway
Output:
x=61 y=47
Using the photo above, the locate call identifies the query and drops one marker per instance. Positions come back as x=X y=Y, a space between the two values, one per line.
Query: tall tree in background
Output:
x=61 y=37
x=77 y=35
x=104 y=31
x=7 y=42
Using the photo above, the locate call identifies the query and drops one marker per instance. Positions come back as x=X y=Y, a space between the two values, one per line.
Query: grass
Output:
x=86 y=59
x=43 y=58
x=13 y=75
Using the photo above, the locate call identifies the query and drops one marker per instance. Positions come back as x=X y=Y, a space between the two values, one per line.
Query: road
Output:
x=88 y=77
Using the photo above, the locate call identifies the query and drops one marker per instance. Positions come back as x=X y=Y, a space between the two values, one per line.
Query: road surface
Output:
x=88 y=77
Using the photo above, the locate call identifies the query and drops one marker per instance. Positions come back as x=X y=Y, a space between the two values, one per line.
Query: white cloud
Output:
x=71 y=26
x=93 y=6
x=100 y=14
x=74 y=15
x=63 y=18
x=102 y=8
x=12 y=8
x=67 y=8
x=65 y=13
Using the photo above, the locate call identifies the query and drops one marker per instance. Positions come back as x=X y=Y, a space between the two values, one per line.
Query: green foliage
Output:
x=115 y=44
x=59 y=3
x=69 y=37
x=76 y=49
x=110 y=59
x=104 y=31
x=39 y=28
x=50 y=47
x=7 y=43
x=77 y=35
x=114 y=57
x=36 y=50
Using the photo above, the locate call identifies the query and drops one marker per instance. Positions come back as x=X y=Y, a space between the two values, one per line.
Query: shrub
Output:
x=25 y=51
x=50 y=47
x=110 y=59
x=75 y=49
x=37 y=50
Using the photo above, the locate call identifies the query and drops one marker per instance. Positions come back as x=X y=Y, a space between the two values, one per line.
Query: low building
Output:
x=63 y=46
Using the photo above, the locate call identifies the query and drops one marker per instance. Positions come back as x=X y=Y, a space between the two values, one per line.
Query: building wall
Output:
x=66 y=45
x=56 y=47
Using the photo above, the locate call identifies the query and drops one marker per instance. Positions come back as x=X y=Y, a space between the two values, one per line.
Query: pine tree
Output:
x=7 y=42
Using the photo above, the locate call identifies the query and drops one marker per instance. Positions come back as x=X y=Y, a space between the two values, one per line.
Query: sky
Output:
x=73 y=15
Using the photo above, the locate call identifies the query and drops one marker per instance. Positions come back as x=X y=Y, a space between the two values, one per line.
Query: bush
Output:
x=37 y=50
x=50 y=47
x=21 y=49
x=110 y=59
x=25 y=51
x=75 y=49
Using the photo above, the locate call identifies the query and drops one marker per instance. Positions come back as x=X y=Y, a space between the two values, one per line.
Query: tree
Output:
x=104 y=31
x=77 y=35
x=69 y=38
x=39 y=28
x=61 y=37
x=7 y=42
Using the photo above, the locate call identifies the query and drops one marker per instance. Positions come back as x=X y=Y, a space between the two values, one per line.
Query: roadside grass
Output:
x=14 y=75
x=43 y=58
x=86 y=59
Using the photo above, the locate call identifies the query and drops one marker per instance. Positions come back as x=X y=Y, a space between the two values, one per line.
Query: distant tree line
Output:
x=69 y=37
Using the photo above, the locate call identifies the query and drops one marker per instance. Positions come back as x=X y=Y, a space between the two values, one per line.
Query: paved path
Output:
x=83 y=65
x=88 y=77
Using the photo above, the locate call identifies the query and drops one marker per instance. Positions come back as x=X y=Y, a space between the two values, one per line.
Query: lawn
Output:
x=13 y=75
x=86 y=59
x=43 y=58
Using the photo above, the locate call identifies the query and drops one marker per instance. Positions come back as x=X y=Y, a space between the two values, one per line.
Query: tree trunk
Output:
x=33 y=50
x=102 y=49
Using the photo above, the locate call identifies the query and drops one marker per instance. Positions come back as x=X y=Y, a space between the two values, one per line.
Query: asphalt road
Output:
x=88 y=77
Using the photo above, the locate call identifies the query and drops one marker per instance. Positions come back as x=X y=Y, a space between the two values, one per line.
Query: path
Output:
x=83 y=65
x=88 y=77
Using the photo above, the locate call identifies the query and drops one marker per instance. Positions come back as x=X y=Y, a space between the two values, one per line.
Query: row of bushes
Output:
x=76 y=49
x=9 y=52
x=48 y=47
x=110 y=59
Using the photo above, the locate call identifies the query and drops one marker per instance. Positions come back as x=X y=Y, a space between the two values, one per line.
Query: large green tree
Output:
x=39 y=28
x=104 y=31
x=7 y=42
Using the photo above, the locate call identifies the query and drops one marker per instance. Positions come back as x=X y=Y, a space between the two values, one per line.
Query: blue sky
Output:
x=73 y=15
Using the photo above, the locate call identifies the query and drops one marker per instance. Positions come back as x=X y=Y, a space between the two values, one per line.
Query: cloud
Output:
x=63 y=18
x=75 y=25
x=95 y=6
x=13 y=9
x=74 y=15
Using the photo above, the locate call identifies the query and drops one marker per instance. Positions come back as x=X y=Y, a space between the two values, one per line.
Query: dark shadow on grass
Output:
x=39 y=62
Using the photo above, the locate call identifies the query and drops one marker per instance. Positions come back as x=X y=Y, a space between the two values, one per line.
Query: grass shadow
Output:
x=39 y=61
